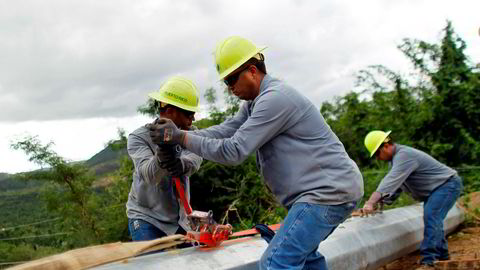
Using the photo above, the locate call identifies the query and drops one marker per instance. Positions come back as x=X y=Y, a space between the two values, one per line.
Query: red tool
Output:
x=204 y=229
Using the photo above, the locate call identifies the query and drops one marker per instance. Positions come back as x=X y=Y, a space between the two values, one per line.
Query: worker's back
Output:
x=304 y=161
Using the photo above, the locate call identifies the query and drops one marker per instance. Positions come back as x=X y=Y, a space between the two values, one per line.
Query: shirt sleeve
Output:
x=226 y=129
x=147 y=165
x=269 y=117
x=191 y=162
x=391 y=198
x=402 y=166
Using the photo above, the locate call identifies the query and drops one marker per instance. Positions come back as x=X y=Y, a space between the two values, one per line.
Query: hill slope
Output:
x=106 y=161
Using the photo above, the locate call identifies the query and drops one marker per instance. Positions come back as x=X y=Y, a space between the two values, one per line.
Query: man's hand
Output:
x=174 y=167
x=164 y=131
x=368 y=209
x=169 y=158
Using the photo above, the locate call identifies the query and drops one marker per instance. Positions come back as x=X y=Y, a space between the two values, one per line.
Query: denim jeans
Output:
x=295 y=244
x=434 y=245
x=141 y=230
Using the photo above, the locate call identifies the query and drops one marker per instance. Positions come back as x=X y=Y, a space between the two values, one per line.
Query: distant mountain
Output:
x=105 y=161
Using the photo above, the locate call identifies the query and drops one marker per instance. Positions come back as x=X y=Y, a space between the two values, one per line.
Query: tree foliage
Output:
x=435 y=110
x=69 y=191
x=87 y=214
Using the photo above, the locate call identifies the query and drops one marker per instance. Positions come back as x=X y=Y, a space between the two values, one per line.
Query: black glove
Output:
x=169 y=157
x=164 y=131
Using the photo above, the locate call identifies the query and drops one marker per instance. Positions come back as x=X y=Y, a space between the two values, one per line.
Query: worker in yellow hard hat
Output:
x=425 y=179
x=302 y=161
x=153 y=209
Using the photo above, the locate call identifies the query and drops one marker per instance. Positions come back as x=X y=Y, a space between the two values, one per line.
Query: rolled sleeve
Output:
x=191 y=162
x=402 y=167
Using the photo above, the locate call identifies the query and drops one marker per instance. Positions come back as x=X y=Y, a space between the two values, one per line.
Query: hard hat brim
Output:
x=380 y=143
x=231 y=69
x=159 y=97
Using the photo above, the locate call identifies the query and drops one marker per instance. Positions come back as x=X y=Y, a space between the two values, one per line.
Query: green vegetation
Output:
x=434 y=108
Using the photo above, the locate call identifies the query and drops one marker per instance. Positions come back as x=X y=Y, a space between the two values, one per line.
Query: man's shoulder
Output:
x=403 y=150
x=141 y=132
x=278 y=91
x=409 y=149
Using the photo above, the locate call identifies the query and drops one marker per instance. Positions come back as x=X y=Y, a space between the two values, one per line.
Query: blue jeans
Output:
x=295 y=245
x=141 y=230
x=434 y=245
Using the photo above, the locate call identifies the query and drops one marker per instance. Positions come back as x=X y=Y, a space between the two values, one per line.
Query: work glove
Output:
x=174 y=167
x=169 y=158
x=166 y=152
x=164 y=131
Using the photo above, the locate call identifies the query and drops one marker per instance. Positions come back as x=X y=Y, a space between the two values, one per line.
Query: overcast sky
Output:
x=73 y=72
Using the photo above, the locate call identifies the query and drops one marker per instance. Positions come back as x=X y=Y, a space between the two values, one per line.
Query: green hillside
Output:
x=3 y=176
x=107 y=160
x=106 y=155
x=29 y=226
x=9 y=182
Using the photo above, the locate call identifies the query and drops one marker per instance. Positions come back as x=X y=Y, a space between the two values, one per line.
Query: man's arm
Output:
x=228 y=127
x=377 y=197
x=269 y=117
x=391 y=183
x=390 y=198
x=370 y=205
x=402 y=167
x=147 y=165
x=191 y=162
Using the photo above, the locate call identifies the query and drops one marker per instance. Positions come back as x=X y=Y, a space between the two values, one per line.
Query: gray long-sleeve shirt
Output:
x=300 y=157
x=152 y=196
x=414 y=172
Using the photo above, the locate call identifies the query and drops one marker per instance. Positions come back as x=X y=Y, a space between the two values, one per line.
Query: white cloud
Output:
x=73 y=139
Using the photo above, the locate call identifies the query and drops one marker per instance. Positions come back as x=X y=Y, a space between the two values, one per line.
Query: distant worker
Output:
x=153 y=208
x=425 y=179
x=302 y=161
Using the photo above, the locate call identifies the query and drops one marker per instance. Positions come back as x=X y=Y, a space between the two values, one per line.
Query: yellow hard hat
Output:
x=233 y=52
x=374 y=139
x=178 y=91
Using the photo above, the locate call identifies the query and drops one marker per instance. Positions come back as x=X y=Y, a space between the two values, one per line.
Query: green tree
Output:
x=68 y=192
x=453 y=128
x=434 y=108
x=387 y=105
x=91 y=214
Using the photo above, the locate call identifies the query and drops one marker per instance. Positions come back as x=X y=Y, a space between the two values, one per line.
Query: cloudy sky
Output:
x=72 y=72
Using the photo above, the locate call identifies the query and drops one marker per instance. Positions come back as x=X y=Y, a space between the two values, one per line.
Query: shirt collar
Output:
x=263 y=85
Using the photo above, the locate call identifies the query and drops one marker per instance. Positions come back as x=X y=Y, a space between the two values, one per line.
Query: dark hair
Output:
x=387 y=140
x=258 y=63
